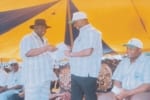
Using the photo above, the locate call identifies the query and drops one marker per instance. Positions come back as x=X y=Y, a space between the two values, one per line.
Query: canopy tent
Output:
x=118 y=20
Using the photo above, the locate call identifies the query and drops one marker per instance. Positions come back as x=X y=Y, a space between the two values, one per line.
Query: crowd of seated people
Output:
x=12 y=89
x=10 y=82
x=11 y=86
x=60 y=84
x=61 y=87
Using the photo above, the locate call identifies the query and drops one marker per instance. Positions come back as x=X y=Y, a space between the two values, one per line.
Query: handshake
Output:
x=50 y=48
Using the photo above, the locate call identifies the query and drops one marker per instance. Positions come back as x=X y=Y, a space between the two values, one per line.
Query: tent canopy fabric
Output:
x=118 y=20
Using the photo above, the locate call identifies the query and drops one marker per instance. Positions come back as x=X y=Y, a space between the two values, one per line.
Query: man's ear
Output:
x=139 y=50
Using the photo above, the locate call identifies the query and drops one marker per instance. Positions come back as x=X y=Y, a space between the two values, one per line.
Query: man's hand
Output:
x=123 y=94
x=38 y=51
x=82 y=53
x=69 y=47
x=21 y=94
x=2 y=89
x=50 y=48
x=68 y=53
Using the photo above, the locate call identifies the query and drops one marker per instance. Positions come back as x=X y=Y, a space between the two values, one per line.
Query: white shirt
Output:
x=13 y=79
x=88 y=37
x=133 y=75
x=38 y=68
x=3 y=78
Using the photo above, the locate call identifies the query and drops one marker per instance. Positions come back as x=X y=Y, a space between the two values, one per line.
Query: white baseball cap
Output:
x=134 y=42
x=78 y=16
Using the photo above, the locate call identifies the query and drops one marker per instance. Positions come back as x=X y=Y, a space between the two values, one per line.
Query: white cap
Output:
x=78 y=16
x=134 y=42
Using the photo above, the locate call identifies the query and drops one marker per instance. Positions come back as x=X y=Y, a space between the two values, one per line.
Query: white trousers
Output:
x=37 y=92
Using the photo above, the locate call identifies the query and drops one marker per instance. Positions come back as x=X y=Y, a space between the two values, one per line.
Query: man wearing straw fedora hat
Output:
x=37 y=62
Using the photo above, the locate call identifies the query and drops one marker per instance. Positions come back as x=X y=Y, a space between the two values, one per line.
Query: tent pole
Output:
x=70 y=25
x=138 y=14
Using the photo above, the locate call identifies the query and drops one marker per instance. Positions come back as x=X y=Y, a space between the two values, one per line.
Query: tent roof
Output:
x=118 y=20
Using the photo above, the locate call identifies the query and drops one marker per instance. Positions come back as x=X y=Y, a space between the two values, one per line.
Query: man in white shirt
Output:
x=3 y=78
x=37 y=62
x=85 y=59
x=12 y=85
x=131 y=77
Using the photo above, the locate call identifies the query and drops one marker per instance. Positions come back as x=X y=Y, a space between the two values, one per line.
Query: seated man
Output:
x=13 y=82
x=131 y=77
x=3 y=78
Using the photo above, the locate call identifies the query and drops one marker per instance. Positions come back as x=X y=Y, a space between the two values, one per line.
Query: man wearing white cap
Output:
x=131 y=77
x=85 y=59
x=3 y=78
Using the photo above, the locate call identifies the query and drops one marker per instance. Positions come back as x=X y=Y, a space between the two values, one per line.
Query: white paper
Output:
x=116 y=90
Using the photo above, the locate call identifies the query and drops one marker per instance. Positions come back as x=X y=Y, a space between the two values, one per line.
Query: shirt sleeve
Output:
x=25 y=46
x=8 y=81
x=19 y=80
x=147 y=72
x=90 y=39
x=118 y=73
x=3 y=79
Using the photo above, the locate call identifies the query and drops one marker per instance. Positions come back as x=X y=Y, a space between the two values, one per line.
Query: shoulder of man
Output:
x=95 y=32
x=27 y=36
x=124 y=59
x=147 y=58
